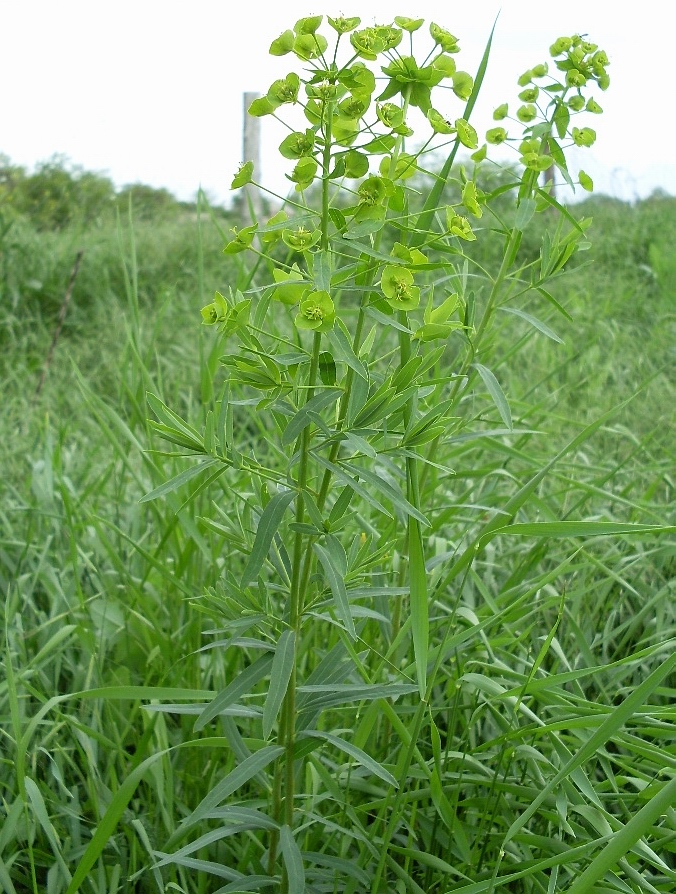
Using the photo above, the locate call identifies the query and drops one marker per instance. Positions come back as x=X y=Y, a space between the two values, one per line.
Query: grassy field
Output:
x=556 y=683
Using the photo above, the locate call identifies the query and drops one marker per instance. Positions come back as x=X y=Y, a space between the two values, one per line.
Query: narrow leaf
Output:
x=302 y=418
x=268 y=526
x=179 y=480
x=292 y=860
x=282 y=665
x=389 y=491
x=233 y=781
x=337 y=585
x=623 y=840
x=538 y=324
x=360 y=756
x=240 y=686
x=614 y=722
x=495 y=392
x=419 y=603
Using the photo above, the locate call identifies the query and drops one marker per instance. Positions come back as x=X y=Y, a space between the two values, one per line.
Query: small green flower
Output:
x=527 y=113
x=367 y=43
x=317 y=312
x=390 y=114
x=444 y=39
x=584 y=136
x=304 y=173
x=439 y=123
x=586 y=181
x=540 y=71
x=459 y=226
x=560 y=46
x=323 y=90
x=593 y=107
x=575 y=78
x=390 y=36
x=496 y=135
x=470 y=199
x=525 y=78
x=407 y=24
x=501 y=112
x=298 y=145
x=216 y=312
x=530 y=145
x=576 y=103
x=284 y=90
x=398 y=288
x=463 y=84
x=343 y=25
x=373 y=191
x=530 y=94
x=352 y=107
x=466 y=133
x=535 y=162
x=300 y=239
x=243 y=176
x=242 y=240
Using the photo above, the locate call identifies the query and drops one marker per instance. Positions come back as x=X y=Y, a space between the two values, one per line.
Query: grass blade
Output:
x=623 y=840
x=611 y=725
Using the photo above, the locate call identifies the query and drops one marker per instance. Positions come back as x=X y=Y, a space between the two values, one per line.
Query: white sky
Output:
x=151 y=90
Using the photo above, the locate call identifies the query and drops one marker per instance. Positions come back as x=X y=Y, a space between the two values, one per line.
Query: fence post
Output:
x=251 y=151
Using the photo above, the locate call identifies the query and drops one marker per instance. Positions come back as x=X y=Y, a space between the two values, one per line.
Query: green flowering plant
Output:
x=357 y=337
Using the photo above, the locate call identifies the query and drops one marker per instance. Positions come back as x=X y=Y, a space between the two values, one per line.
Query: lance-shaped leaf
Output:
x=282 y=665
x=293 y=861
x=357 y=754
x=240 y=686
x=268 y=526
x=336 y=582
x=495 y=392
x=233 y=781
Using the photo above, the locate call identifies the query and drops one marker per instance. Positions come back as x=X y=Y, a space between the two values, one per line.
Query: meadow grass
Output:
x=544 y=760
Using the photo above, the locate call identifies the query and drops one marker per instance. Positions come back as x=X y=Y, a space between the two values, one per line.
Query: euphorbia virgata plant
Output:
x=359 y=339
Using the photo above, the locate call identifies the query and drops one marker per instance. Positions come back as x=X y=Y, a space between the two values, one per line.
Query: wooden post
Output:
x=251 y=151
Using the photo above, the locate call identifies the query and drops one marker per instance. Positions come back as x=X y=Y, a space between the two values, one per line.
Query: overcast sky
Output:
x=151 y=90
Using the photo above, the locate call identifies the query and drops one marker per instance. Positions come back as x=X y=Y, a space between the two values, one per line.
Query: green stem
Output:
x=284 y=787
